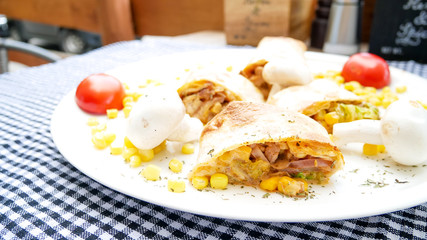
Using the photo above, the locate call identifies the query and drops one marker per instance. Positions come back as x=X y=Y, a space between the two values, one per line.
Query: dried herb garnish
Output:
x=210 y=152
x=398 y=181
x=379 y=184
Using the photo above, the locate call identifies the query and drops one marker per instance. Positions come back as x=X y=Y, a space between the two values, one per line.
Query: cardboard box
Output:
x=246 y=22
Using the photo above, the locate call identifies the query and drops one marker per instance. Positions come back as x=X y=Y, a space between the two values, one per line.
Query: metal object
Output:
x=343 y=33
x=9 y=44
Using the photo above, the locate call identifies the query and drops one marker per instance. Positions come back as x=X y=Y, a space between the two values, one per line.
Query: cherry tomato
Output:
x=99 y=92
x=368 y=69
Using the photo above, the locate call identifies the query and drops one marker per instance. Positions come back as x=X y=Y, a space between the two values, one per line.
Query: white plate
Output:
x=366 y=186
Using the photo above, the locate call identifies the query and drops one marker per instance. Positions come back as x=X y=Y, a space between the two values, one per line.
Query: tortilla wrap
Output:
x=231 y=141
x=278 y=61
x=321 y=97
x=206 y=92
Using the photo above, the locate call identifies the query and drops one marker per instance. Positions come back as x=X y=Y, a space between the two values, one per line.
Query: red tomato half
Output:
x=368 y=69
x=99 y=92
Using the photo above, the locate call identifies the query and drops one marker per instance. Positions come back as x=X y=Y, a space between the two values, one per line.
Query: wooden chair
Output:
x=176 y=17
x=116 y=20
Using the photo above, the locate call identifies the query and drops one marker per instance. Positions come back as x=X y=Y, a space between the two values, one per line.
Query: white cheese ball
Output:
x=404 y=132
x=156 y=115
x=188 y=130
x=287 y=72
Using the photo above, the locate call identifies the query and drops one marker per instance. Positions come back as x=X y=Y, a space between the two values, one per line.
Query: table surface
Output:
x=43 y=196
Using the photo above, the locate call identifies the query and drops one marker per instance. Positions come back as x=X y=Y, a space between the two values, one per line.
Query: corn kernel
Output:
x=370 y=149
x=126 y=86
x=136 y=96
x=146 y=154
x=332 y=73
x=374 y=100
x=187 y=148
x=99 y=128
x=352 y=85
x=128 y=143
x=423 y=104
x=370 y=90
x=219 y=181
x=154 y=82
x=98 y=140
x=129 y=152
x=135 y=161
x=304 y=182
x=401 y=89
x=176 y=186
x=318 y=75
x=112 y=113
x=229 y=68
x=284 y=183
x=109 y=137
x=216 y=108
x=289 y=186
x=320 y=115
x=339 y=80
x=116 y=149
x=381 y=148
x=92 y=121
x=200 y=182
x=386 y=90
x=386 y=102
x=360 y=92
x=175 y=165
x=130 y=95
x=270 y=184
x=127 y=100
x=126 y=110
x=160 y=147
x=331 y=118
x=151 y=172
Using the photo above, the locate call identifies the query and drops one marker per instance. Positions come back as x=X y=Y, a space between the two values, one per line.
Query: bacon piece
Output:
x=281 y=164
x=283 y=160
x=310 y=164
x=257 y=152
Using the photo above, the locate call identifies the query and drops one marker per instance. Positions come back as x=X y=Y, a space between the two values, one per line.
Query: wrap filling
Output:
x=204 y=99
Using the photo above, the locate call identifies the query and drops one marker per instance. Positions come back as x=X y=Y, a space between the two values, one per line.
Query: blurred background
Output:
x=69 y=27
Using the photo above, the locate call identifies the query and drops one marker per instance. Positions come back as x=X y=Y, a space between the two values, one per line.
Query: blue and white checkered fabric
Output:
x=42 y=196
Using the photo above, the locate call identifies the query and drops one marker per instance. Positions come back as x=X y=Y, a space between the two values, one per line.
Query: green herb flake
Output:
x=375 y=184
x=266 y=195
x=211 y=151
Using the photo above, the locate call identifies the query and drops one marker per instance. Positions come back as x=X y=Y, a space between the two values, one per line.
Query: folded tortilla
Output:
x=321 y=97
x=251 y=142
x=206 y=92
x=278 y=61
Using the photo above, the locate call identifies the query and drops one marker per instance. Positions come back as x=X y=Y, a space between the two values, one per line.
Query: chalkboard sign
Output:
x=399 y=30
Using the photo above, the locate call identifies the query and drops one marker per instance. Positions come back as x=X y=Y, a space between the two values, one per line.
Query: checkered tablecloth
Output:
x=42 y=196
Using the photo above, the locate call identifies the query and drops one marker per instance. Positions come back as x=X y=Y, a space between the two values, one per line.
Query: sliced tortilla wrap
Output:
x=251 y=142
x=206 y=92
x=278 y=61
x=322 y=97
